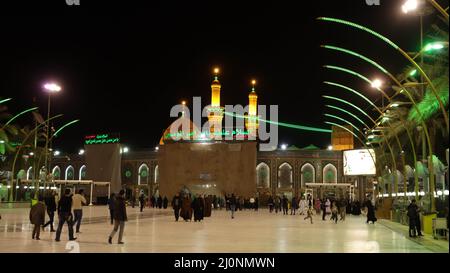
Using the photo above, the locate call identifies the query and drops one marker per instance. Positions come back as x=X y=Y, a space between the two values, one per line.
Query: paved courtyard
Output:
x=155 y=230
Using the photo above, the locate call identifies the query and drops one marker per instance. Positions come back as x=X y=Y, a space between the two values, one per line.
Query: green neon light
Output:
x=102 y=141
x=356 y=55
x=180 y=134
x=413 y=72
x=354 y=25
x=284 y=124
x=433 y=46
x=5 y=100
x=347 y=112
x=18 y=115
x=341 y=119
x=64 y=126
x=348 y=71
x=351 y=90
x=348 y=103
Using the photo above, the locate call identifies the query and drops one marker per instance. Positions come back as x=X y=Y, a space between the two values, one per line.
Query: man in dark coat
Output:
x=412 y=215
x=285 y=205
x=65 y=215
x=50 y=203
x=165 y=202
x=37 y=217
x=270 y=203
x=198 y=205
x=294 y=205
x=208 y=206
x=324 y=209
x=176 y=205
x=120 y=217
x=370 y=212
x=153 y=200
x=186 y=211
x=142 y=200
x=159 y=202
x=112 y=206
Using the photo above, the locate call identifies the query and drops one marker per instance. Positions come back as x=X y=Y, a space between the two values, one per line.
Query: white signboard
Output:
x=359 y=162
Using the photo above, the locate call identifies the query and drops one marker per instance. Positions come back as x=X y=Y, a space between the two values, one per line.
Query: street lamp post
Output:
x=50 y=88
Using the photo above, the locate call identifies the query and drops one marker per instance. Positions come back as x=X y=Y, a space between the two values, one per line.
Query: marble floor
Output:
x=155 y=230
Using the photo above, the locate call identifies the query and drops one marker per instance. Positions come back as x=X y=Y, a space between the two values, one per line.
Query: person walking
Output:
x=256 y=203
x=270 y=203
x=318 y=206
x=323 y=206
x=294 y=205
x=159 y=202
x=78 y=201
x=277 y=204
x=199 y=208
x=153 y=201
x=370 y=212
x=120 y=217
x=412 y=216
x=343 y=209
x=176 y=205
x=418 y=226
x=186 y=211
x=302 y=206
x=165 y=202
x=334 y=212
x=65 y=215
x=309 y=214
x=50 y=203
x=37 y=217
x=285 y=204
x=142 y=200
x=232 y=205
x=111 y=206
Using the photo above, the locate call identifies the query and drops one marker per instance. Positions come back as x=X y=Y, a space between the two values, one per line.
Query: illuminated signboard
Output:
x=359 y=162
x=102 y=139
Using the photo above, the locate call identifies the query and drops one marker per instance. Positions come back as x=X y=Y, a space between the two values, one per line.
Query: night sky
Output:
x=123 y=66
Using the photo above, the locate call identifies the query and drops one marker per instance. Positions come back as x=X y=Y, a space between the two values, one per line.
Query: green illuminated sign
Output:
x=101 y=139
x=144 y=173
x=128 y=174
x=205 y=135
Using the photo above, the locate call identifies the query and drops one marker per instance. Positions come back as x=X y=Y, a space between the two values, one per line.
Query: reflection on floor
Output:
x=155 y=230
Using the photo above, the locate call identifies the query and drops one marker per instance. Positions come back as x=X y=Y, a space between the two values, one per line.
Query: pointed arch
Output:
x=156 y=175
x=329 y=174
x=82 y=173
x=308 y=174
x=285 y=175
x=69 y=174
x=143 y=174
x=30 y=173
x=262 y=175
x=56 y=172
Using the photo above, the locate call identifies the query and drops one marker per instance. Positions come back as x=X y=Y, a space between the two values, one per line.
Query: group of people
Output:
x=64 y=207
x=185 y=206
x=278 y=203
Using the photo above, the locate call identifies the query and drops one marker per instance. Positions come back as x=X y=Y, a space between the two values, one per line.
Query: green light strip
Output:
x=354 y=25
x=341 y=119
x=351 y=104
x=5 y=100
x=64 y=126
x=351 y=90
x=18 y=115
x=347 y=112
x=284 y=124
x=356 y=55
x=349 y=72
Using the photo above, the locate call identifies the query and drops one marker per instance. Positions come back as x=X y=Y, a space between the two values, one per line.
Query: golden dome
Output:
x=192 y=134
